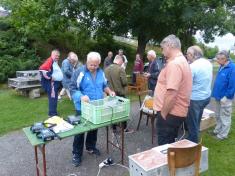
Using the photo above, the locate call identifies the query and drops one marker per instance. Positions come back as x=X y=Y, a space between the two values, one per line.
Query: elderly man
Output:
x=223 y=92
x=117 y=82
x=201 y=91
x=155 y=66
x=87 y=83
x=172 y=92
x=51 y=77
x=125 y=61
x=68 y=66
x=108 y=60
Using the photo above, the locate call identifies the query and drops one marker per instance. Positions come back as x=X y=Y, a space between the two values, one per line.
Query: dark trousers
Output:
x=167 y=130
x=193 y=119
x=78 y=141
x=52 y=94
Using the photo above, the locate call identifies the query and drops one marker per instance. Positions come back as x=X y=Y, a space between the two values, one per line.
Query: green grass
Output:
x=221 y=154
x=18 y=111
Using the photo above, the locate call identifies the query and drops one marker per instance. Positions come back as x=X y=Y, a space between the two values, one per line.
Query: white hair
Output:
x=152 y=53
x=73 y=56
x=93 y=56
x=117 y=59
x=171 y=41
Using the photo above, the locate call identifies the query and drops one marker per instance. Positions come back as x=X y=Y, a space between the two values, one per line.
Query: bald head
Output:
x=118 y=60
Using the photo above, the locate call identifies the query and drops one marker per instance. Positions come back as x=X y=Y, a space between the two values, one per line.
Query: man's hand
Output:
x=147 y=75
x=85 y=98
x=163 y=115
x=112 y=94
x=223 y=100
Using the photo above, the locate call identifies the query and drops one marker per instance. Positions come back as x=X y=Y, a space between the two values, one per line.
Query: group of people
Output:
x=181 y=88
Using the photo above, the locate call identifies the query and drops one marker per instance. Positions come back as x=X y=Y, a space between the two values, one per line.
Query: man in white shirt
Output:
x=202 y=74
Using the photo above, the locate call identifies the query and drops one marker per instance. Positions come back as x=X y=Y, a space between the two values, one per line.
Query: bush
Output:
x=15 y=54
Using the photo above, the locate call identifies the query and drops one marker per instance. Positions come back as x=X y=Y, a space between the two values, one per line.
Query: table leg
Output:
x=122 y=138
x=43 y=151
x=36 y=159
x=107 y=139
x=44 y=159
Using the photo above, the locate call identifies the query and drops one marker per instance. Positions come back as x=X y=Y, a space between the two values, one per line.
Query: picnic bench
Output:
x=27 y=83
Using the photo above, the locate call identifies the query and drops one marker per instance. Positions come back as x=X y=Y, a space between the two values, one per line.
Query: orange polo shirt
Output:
x=175 y=75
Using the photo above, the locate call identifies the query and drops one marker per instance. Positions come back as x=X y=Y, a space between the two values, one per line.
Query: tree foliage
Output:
x=144 y=19
x=37 y=18
x=154 y=19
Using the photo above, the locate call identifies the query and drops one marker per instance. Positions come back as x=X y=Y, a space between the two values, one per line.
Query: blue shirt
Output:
x=202 y=72
x=225 y=82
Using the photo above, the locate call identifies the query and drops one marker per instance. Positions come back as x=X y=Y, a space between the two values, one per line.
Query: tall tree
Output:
x=154 y=19
x=144 y=19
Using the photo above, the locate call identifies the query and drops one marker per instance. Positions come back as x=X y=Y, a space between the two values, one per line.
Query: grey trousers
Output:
x=223 y=118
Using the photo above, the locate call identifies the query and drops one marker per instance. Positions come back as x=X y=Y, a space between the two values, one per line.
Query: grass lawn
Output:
x=18 y=112
x=221 y=154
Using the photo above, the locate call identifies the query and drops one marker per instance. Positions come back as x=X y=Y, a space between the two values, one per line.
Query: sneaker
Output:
x=76 y=160
x=94 y=151
x=59 y=97
x=219 y=138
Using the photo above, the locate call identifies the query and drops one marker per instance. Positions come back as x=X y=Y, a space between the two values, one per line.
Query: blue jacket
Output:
x=224 y=84
x=82 y=84
x=67 y=69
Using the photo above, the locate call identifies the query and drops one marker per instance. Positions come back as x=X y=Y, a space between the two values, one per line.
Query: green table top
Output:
x=83 y=127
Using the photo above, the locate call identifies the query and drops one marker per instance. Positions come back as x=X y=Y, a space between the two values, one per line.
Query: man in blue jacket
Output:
x=223 y=92
x=87 y=83
x=69 y=65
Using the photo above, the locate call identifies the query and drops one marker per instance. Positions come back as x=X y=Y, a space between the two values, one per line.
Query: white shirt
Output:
x=202 y=72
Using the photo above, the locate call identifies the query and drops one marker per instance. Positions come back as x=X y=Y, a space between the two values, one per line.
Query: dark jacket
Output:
x=107 y=62
x=117 y=80
x=154 y=69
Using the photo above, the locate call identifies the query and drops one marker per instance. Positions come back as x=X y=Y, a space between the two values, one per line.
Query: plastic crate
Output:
x=105 y=110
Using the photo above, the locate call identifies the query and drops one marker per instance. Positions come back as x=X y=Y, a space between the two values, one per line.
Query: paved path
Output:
x=17 y=154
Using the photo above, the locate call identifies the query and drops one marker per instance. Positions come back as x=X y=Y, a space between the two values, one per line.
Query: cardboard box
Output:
x=153 y=162
x=208 y=119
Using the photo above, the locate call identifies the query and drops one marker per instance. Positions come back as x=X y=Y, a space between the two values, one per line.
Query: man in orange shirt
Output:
x=172 y=92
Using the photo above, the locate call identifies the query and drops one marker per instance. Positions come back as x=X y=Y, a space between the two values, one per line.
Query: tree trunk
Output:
x=142 y=41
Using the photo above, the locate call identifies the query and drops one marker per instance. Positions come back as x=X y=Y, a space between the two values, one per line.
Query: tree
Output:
x=144 y=19
x=154 y=19
x=36 y=18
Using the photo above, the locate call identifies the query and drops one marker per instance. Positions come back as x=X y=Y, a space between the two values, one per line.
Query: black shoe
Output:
x=76 y=160
x=94 y=151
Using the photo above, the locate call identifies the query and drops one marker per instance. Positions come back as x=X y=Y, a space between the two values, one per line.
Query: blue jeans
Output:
x=193 y=119
x=78 y=141
x=167 y=130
